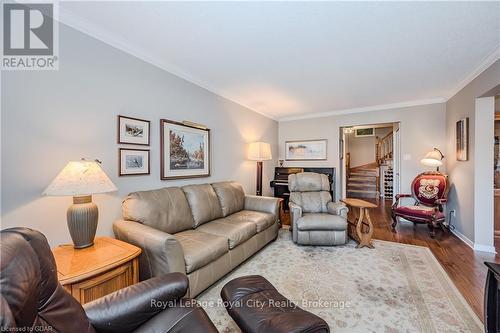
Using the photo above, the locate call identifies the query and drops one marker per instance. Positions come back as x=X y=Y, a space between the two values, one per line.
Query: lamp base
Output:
x=259 y=179
x=82 y=219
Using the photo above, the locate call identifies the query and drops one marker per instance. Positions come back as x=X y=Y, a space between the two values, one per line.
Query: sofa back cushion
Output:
x=164 y=209
x=204 y=204
x=231 y=197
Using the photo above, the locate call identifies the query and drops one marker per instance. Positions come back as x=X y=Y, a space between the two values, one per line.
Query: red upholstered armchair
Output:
x=429 y=190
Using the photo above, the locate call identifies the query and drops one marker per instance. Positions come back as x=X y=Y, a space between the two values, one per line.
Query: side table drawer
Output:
x=105 y=283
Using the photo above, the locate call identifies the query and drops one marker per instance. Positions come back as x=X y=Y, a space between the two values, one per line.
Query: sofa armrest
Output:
x=295 y=215
x=161 y=252
x=262 y=204
x=337 y=208
x=128 y=308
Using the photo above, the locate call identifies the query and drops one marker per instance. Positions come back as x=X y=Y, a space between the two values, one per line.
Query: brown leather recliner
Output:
x=32 y=300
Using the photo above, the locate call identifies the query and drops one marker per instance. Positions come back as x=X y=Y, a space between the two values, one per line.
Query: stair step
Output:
x=362 y=194
x=361 y=185
x=364 y=174
x=362 y=179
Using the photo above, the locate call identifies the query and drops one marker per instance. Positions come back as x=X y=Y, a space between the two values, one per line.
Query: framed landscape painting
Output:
x=133 y=162
x=305 y=150
x=133 y=131
x=185 y=150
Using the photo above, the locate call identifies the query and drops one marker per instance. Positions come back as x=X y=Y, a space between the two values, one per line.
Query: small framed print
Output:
x=133 y=131
x=305 y=150
x=133 y=162
x=361 y=132
x=462 y=139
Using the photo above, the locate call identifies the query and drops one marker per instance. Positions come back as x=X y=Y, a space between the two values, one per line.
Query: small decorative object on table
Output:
x=185 y=150
x=361 y=228
x=81 y=179
x=133 y=131
x=134 y=162
x=259 y=151
x=96 y=271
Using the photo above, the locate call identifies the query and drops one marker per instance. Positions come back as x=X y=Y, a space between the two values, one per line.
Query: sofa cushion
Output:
x=237 y=231
x=319 y=221
x=201 y=248
x=231 y=197
x=261 y=220
x=164 y=209
x=203 y=202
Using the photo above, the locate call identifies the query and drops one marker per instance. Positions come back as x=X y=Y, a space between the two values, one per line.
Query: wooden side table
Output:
x=93 y=272
x=361 y=229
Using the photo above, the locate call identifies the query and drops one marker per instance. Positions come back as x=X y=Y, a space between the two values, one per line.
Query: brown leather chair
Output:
x=32 y=300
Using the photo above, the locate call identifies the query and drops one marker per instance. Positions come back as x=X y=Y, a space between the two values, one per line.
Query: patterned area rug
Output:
x=392 y=288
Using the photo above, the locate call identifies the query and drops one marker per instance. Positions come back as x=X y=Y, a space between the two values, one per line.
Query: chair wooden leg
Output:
x=394 y=221
x=432 y=231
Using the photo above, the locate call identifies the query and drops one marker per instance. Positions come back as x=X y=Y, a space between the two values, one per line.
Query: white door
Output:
x=396 y=161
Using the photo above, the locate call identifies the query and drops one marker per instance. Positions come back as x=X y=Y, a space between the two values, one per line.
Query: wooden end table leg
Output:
x=364 y=237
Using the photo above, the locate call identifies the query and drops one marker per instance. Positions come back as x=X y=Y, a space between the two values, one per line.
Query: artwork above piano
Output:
x=280 y=181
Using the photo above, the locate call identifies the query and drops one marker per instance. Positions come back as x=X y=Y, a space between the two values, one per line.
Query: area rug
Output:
x=392 y=288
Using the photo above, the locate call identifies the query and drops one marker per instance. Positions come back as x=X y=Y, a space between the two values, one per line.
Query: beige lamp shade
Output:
x=259 y=151
x=433 y=158
x=80 y=178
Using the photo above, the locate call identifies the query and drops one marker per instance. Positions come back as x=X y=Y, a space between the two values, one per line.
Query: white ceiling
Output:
x=289 y=59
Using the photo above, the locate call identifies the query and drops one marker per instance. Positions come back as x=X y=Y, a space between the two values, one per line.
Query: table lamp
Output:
x=433 y=158
x=81 y=179
x=259 y=151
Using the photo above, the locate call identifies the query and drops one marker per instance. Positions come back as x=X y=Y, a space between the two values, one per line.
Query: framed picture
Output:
x=360 y=132
x=133 y=131
x=305 y=150
x=462 y=137
x=133 y=162
x=185 y=150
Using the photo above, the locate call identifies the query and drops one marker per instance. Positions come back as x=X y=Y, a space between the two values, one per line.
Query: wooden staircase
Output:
x=362 y=182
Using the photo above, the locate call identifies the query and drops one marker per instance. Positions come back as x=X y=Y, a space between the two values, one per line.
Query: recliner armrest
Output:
x=337 y=208
x=262 y=204
x=161 y=252
x=126 y=309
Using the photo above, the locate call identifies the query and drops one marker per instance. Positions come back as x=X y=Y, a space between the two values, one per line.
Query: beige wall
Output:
x=421 y=129
x=462 y=173
x=49 y=118
x=362 y=149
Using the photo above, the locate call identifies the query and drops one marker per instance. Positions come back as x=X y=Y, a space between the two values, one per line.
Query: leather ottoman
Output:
x=256 y=306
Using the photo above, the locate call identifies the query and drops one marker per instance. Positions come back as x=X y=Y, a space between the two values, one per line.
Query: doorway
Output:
x=370 y=163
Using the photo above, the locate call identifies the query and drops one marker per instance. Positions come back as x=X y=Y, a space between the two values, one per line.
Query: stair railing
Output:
x=384 y=148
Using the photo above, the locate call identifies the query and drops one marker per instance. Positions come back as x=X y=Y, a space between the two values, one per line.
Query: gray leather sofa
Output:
x=203 y=231
x=316 y=220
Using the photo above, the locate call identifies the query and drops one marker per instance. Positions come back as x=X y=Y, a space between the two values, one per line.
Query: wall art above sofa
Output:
x=185 y=150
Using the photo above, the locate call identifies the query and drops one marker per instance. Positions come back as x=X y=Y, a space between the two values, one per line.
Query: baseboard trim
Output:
x=462 y=237
x=475 y=247
x=485 y=248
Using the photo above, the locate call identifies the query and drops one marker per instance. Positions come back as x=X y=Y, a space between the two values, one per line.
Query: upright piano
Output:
x=280 y=181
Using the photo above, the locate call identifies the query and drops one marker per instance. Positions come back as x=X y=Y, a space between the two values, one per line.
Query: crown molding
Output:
x=366 y=109
x=74 y=21
x=483 y=65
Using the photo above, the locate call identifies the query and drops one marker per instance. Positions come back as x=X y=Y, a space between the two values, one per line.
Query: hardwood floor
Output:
x=463 y=265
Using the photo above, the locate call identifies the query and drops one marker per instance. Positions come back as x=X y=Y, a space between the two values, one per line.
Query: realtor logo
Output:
x=29 y=36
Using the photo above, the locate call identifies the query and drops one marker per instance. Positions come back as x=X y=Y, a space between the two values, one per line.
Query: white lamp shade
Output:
x=80 y=178
x=259 y=151
x=432 y=159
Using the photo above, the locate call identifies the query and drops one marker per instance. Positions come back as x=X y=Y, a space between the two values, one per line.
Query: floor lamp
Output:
x=259 y=151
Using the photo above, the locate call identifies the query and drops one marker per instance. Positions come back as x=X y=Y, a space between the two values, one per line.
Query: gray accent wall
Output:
x=49 y=118
x=462 y=173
